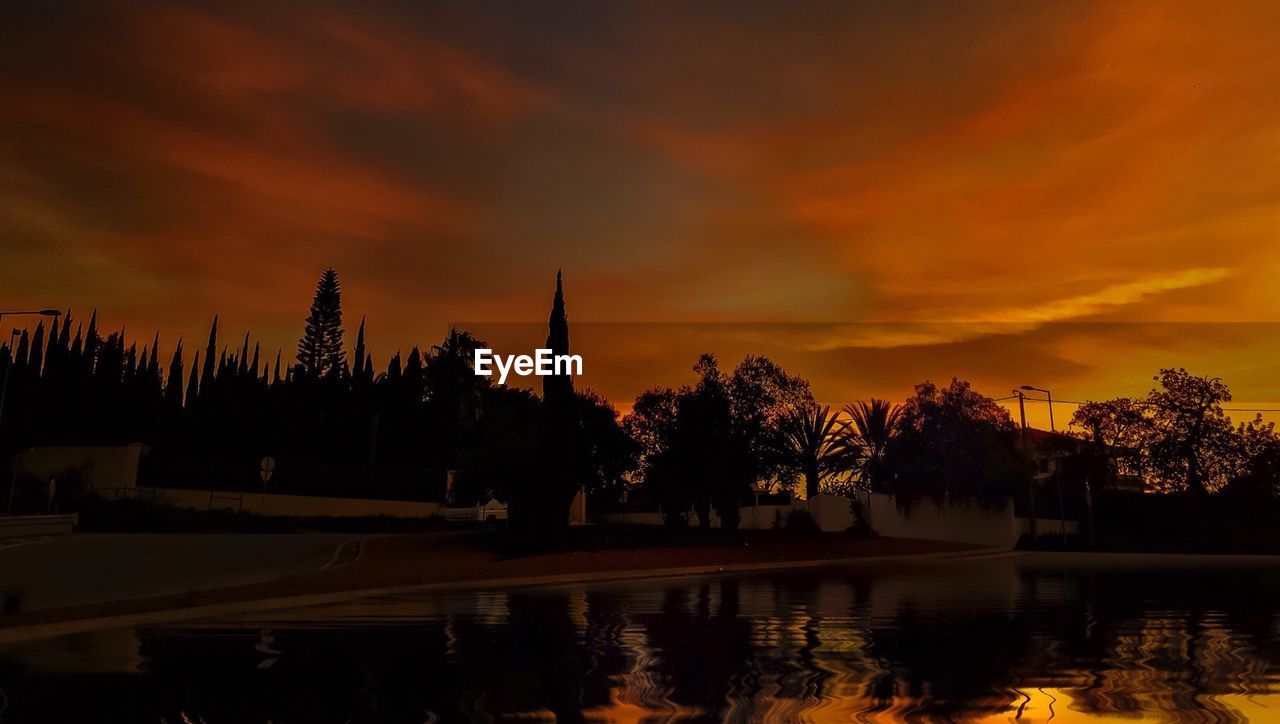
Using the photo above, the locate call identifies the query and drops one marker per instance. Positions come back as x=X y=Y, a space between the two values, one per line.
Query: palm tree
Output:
x=864 y=440
x=810 y=443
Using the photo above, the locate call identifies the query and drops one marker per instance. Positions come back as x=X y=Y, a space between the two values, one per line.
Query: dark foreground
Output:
x=382 y=561
x=1035 y=636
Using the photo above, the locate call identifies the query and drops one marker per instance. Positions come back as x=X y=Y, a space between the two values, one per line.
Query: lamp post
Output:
x=4 y=387
x=1062 y=522
x=1048 y=395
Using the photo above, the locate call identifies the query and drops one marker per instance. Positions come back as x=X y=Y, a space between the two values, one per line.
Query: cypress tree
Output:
x=24 y=349
x=51 y=349
x=359 y=371
x=153 y=364
x=64 y=339
x=243 y=368
x=558 y=386
x=393 y=368
x=276 y=377
x=193 y=387
x=173 y=383
x=91 y=340
x=206 y=374
x=254 y=370
x=77 y=345
x=320 y=352
x=130 y=359
x=37 y=348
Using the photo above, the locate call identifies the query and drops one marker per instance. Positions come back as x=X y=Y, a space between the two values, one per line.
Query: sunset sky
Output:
x=1066 y=194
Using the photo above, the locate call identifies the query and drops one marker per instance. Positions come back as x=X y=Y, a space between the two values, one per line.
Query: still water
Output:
x=1031 y=638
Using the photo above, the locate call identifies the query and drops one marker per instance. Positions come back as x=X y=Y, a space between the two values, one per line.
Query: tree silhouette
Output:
x=1192 y=446
x=320 y=351
x=811 y=444
x=206 y=373
x=173 y=381
x=954 y=442
x=864 y=441
x=193 y=386
x=558 y=386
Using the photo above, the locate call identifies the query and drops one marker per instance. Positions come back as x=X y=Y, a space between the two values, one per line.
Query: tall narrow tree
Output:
x=173 y=383
x=91 y=341
x=558 y=386
x=37 y=349
x=320 y=351
x=193 y=385
x=24 y=344
x=153 y=364
x=206 y=374
x=358 y=373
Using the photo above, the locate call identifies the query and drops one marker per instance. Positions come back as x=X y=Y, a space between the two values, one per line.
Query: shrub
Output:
x=799 y=521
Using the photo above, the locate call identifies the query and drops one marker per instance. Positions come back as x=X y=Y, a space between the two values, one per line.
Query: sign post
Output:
x=265 y=470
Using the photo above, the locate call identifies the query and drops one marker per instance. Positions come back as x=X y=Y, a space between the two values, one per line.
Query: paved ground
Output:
x=93 y=568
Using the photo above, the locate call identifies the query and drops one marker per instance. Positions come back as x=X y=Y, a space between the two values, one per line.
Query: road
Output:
x=97 y=567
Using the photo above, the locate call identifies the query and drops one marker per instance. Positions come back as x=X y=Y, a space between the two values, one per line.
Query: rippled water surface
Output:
x=1030 y=637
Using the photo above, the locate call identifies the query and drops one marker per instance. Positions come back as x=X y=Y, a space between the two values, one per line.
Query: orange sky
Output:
x=1065 y=194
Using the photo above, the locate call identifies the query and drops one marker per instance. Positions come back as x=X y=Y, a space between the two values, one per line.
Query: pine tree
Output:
x=320 y=352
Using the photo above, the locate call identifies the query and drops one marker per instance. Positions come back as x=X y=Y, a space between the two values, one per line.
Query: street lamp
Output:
x=37 y=312
x=4 y=387
x=1049 y=395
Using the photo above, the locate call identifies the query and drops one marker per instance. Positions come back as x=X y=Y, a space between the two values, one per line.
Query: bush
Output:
x=799 y=521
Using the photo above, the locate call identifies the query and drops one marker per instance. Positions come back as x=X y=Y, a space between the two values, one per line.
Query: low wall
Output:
x=298 y=506
x=18 y=526
x=831 y=512
x=960 y=522
x=1048 y=526
x=104 y=466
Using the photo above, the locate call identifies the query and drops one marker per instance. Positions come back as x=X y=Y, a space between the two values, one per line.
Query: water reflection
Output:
x=1036 y=637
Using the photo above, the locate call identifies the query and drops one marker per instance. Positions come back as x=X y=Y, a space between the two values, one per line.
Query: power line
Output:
x=1140 y=402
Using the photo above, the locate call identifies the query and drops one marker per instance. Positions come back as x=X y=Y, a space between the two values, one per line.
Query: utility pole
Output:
x=1031 y=481
x=1057 y=475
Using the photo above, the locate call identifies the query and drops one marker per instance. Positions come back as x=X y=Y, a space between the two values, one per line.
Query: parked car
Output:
x=488 y=512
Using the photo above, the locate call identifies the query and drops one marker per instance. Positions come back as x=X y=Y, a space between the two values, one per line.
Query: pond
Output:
x=1061 y=637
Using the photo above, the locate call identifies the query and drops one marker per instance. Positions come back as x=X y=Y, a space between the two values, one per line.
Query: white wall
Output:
x=831 y=512
x=957 y=521
x=104 y=466
x=961 y=522
x=286 y=505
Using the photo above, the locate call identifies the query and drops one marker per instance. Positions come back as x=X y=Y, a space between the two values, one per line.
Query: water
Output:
x=1036 y=637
